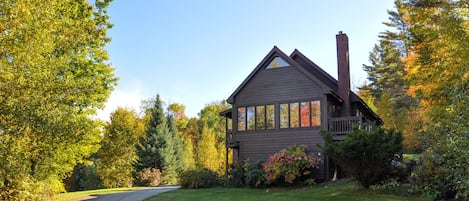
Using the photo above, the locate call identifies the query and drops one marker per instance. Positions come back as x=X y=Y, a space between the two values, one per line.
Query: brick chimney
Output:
x=344 y=72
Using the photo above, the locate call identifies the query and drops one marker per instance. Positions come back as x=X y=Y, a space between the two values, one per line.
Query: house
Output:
x=288 y=100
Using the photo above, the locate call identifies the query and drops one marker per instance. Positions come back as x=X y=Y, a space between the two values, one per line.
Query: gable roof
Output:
x=276 y=52
x=328 y=84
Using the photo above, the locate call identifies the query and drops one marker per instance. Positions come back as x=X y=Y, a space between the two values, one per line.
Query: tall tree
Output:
x=207 y=154
x=117 y=153
x=211 y=118
x=55 y=75
x=438 y=71
x=148 y=147
x=160 y=148
x=388 y=85
x=177 y=112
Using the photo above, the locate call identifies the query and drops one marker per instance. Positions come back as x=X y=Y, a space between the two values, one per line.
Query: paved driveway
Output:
x=136 y=195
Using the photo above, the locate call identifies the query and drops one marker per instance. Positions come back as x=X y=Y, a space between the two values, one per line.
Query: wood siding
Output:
x=281 y=84
x=274 y=86
x=256 y=146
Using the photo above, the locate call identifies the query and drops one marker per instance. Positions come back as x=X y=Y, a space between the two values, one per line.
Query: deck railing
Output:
x=344 y=125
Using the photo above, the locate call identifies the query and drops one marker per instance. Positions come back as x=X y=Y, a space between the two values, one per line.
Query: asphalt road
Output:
x=136 y=195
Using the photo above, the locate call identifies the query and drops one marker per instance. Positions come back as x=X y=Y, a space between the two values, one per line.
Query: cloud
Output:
x=121 y=98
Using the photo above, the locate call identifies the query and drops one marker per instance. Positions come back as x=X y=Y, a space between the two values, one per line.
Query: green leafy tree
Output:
x=365 y=155
x=117 y=153
x=207 y=154
x=55 y=75
x=210 y=117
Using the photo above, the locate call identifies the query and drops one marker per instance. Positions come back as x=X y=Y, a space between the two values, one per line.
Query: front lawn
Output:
x=346 y=192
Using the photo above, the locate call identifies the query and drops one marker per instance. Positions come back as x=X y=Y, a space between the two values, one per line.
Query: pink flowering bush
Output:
x=290 y=164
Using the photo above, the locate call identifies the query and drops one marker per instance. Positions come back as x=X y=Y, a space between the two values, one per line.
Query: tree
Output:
x=365 y=155
x=210 y=117
x=177 y=112
x=207 y=153
x=160 y=148
x=55 y=75
x=117 y=153
x=388 y=88
x=438 y=72
x=147 y=149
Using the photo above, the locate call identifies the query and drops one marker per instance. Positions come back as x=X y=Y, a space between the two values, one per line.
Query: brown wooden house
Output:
x=287 y=100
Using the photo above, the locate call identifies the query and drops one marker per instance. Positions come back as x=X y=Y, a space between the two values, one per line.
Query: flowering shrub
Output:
x=292 y=163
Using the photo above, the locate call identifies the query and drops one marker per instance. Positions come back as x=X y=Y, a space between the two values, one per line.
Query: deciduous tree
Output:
x=54 y=76
x=117 y=153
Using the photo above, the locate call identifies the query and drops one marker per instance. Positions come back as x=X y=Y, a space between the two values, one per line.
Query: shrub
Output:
x=254 y=174
x=199 y=179
x=442 y=174
x=289 y=165
x=148 y=177
x=365 y=155
x=236 y=174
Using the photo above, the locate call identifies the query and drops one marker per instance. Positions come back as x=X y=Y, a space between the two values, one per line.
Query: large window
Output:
x=250 y=118
x=300 y=114
x=270 y=117
x=241 y=119
x=284 y=120
x=260 y=117
x=294 y=115
x=304 y=114
x=315 y=113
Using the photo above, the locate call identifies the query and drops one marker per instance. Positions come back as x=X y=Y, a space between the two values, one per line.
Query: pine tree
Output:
x=388 y=87
x=148 y=148
x=171 y=153
x=161 y=148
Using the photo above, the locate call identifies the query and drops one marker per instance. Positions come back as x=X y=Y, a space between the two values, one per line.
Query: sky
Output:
x=199 y=52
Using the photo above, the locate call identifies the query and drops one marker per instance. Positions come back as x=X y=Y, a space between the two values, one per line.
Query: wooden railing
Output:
x=344 y=125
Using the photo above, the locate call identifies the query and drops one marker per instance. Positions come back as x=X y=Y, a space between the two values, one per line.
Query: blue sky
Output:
x=198 y=52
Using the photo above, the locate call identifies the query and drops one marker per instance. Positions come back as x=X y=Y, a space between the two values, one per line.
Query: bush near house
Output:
x=203 y=178
x=367 y=156
x=290 y=165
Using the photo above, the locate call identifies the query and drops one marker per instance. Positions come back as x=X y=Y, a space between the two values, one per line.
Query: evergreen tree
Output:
x=161 y=148
x=388 y=87
x=171 y=153
x=148 y=152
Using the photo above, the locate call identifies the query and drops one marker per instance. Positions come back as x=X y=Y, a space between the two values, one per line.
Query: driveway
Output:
x=136 y=195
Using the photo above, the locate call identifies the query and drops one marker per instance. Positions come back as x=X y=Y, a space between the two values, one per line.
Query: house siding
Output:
x=274 y=86
x=281 y=84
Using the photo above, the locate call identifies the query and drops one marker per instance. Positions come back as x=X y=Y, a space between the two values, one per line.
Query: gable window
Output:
x=250 y=118
x=260 y=117
x=305 y=114
x=294 y=115
x=270 y=117
x=315 y=113
x=284 y=116
x=241 y=119
x=277 y=62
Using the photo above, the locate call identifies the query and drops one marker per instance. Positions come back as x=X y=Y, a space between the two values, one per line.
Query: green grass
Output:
x=84 y=194
x=334 y=192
